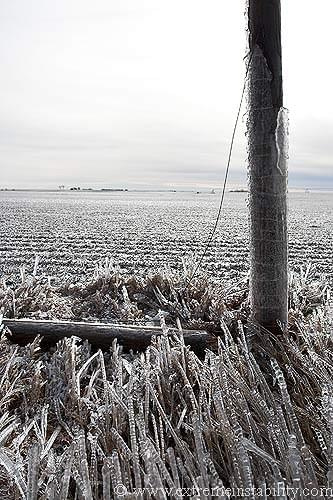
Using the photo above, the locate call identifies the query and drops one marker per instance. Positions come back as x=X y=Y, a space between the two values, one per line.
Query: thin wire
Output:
x=211 y=236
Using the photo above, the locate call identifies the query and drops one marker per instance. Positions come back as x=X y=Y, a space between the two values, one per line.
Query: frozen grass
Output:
x=253 y=413
x=113 y=296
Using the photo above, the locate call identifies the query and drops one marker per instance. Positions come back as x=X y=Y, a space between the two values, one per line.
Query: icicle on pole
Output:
x=267 y=154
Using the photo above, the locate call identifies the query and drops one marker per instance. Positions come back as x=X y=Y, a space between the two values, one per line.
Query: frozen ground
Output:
x=71 y=232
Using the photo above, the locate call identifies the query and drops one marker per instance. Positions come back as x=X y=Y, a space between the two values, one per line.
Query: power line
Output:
x=212 y=233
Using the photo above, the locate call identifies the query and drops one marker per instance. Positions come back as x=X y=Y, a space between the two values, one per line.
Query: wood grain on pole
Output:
x=267 y=167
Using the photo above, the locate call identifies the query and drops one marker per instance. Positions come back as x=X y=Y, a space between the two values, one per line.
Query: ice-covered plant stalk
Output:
x=267 y=152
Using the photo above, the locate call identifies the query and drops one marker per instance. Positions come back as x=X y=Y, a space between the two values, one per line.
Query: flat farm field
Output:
x=73 y=231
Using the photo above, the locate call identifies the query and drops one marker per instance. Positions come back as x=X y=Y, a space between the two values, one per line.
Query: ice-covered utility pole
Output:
x=267 y=146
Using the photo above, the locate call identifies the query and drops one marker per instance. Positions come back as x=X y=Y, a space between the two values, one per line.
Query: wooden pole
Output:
x=267 y=148
x=133 y=337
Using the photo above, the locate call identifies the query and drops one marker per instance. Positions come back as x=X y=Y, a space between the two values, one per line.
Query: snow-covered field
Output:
x=71 y=232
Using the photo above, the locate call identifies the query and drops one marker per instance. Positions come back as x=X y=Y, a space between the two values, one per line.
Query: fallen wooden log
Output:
x=133 y=337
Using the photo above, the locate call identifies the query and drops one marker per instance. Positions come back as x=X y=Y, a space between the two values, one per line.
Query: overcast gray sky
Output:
x=144 y=92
